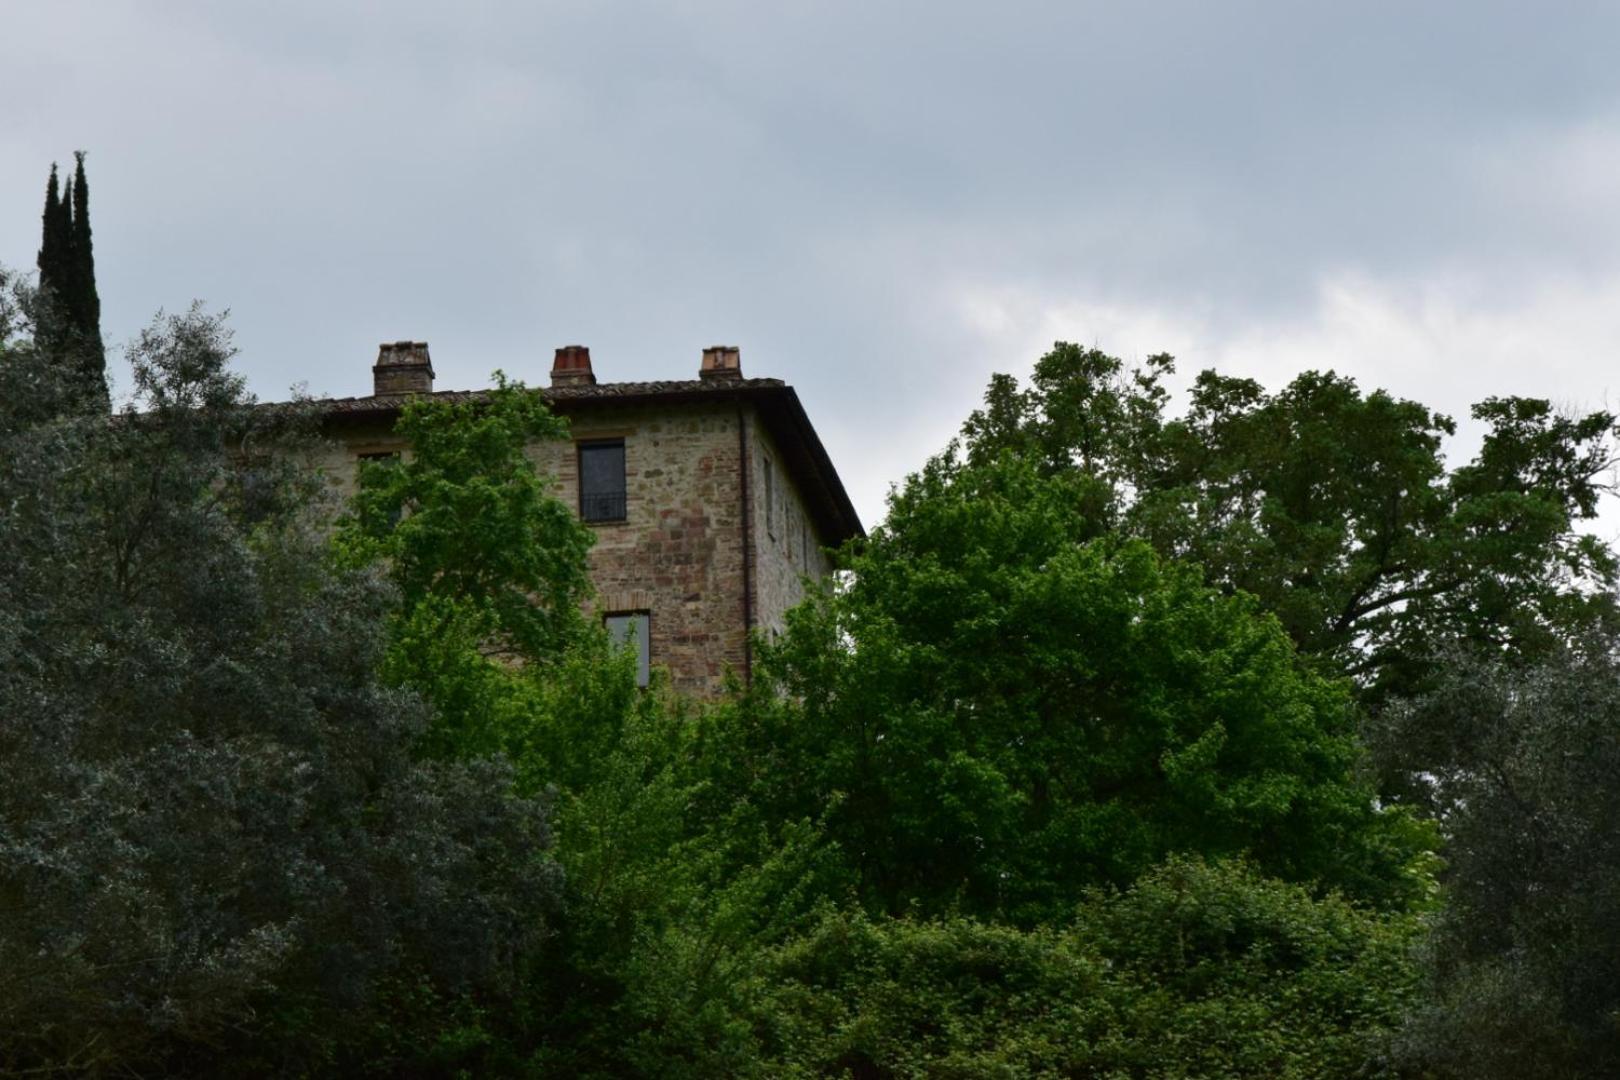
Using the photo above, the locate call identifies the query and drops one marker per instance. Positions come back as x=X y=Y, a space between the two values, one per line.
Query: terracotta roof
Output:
x=778 y=405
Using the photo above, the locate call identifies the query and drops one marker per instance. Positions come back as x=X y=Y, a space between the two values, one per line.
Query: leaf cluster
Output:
x=1333 y=506
x=465 y=518
x=997 y=712
x=1518 y=765
x=216 y=845
x=1198 y=969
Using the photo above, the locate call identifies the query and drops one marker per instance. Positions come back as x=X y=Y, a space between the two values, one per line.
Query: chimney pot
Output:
x=720 y=363
x=402 y=367
x=572 y=367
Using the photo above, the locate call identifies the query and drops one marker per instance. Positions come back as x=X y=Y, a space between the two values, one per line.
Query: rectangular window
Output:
x=633 y=626
x=601 y=481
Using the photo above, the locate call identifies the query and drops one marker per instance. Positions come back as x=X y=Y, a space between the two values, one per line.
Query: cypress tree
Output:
x=54 y=239
x=69 y=327
x=85 y=305
x=64 y=286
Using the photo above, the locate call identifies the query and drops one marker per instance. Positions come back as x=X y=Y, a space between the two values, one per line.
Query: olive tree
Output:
x=1519 y=767
x=216 y=847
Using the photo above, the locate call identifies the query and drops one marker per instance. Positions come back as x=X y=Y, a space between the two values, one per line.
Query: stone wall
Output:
x=786 y=547
x=679 y=554
x=354 y=438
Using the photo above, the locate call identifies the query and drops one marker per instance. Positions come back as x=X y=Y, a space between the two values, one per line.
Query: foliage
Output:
x=997 y=712
x=1519 y=766
x=216 y=846
x=664 y=909
x=466 y=518
x=56 y=234
x=1025 y=794
x=1198 y=969
x=67 y=284
x=489 y=564
x=1334 y=507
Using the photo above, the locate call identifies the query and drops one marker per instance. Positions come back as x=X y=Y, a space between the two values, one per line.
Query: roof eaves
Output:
x=778 y=404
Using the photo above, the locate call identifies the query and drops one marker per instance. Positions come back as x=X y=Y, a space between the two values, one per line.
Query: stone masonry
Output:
x=719 y=533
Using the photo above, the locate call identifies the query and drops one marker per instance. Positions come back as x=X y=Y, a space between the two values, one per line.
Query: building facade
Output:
x=712 y=499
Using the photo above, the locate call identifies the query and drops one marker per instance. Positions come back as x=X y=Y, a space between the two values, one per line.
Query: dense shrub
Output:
x=1199 y=969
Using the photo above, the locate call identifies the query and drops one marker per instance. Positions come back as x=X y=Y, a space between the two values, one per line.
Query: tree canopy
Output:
x=1333 y=506
x=466 y=517
x=489 y=563
x=1208 y=970
x=1064 y=774
x=215 y=844
x=1519 y=765
x=998 y=712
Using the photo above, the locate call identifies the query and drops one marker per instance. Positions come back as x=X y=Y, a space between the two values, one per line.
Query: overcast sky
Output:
x=881 y=203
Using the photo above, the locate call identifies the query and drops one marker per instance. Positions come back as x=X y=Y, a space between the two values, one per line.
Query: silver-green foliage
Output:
x=1520 y=767
x=214 y=842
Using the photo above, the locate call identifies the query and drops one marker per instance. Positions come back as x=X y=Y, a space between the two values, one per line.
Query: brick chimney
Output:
x=572 y=367
x=721 y=363
x=402 y=367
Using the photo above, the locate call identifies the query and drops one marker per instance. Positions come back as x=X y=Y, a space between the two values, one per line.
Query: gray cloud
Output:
x=880 y=202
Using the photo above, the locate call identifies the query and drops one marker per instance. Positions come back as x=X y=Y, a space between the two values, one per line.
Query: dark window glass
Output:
x=631 y=627
x=601 y=481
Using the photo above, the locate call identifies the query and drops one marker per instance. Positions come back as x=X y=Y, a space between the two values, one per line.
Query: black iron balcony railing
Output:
x=602 y=506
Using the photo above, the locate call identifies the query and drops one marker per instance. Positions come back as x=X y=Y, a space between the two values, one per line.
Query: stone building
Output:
x=711 y=498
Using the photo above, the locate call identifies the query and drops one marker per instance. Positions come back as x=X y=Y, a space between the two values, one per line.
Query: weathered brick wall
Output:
x=679 y=553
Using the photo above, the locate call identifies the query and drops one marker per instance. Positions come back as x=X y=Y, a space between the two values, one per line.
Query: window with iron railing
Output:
x=602 y=495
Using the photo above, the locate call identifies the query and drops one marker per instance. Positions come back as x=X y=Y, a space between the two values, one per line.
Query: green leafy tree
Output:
x=1519 y=767
x=1333 y=506
x=998 y=712
x=217 y=854
x=670 y=896
x=1207 y=970
x=466 y=517
x=490 y=565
